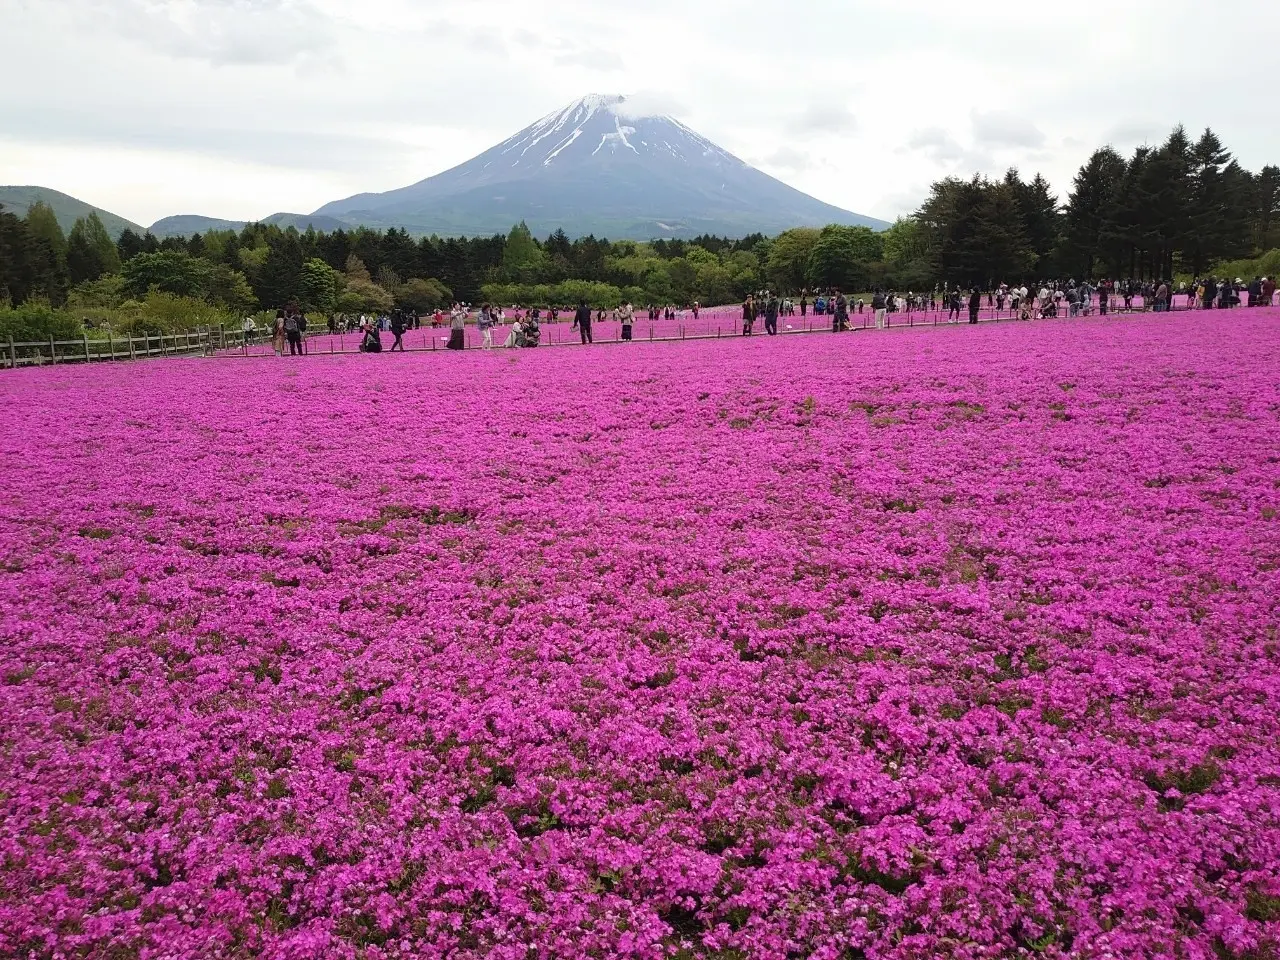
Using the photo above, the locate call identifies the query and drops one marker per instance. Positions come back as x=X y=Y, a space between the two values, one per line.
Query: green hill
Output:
x=67 y=209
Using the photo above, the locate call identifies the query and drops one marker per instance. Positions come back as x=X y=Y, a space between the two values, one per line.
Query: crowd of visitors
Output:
x=1047 y=299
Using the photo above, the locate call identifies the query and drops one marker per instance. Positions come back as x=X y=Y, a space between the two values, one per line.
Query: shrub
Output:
x=35 y=320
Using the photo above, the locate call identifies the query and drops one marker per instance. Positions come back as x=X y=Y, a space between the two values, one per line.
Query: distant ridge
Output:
x=68 y=209
x=184 y=225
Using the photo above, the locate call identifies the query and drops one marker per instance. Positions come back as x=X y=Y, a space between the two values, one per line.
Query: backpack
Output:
x=291 y=324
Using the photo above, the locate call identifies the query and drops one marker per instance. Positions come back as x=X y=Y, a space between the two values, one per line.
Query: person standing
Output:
x=840 y=307
x=485 y=323
x=748 y=315
x=1162 y=298
x=250 y=329
x=293 y=332
x=804 y=305
x=771 y=316
x=627 y=315
x=277 y=334
x=457 y=329
x=583 y=319
x=975 y=304
x=879 y=306
x=696 y=307
x=397 y=330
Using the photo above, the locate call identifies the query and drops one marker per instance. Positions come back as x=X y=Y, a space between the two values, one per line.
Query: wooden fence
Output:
x=86 y=349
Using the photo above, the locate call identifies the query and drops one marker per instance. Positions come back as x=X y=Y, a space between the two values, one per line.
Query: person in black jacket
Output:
x=771 y=316
x=397 y=328
x=975 y=304
x=748 y=315
x=583 y=320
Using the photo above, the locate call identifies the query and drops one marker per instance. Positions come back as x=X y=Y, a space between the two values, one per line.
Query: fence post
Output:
x=111 y=344
x=13 y=355
x=132 y=354
x=53 y=350
x=85 y=338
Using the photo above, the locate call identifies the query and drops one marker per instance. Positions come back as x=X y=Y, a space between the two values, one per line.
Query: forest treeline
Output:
x=1183 y=208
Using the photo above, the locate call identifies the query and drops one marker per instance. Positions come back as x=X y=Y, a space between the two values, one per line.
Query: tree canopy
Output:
x=1185 y=206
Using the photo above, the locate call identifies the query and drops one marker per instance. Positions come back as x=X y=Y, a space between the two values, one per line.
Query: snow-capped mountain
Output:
x=601 y=165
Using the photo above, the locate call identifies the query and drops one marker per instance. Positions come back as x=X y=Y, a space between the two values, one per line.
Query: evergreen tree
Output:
x=129 y=245
x=15 y=253
x=521 y=256
x=1040 y=219
x=103 y=246
x=48 y=254
x=1093 y=192
x=1122 y=232
x=1209 y=227
x=90 y=251
x=1265 y=216
x=279 y=280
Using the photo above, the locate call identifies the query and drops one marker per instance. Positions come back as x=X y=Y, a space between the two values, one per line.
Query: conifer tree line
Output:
x=1180 y=208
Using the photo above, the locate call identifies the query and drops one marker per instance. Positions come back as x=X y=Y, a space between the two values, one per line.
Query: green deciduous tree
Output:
x=319 y=286
x=788 y=265
x=422 y=296
x=836 y=261
x=168 y=271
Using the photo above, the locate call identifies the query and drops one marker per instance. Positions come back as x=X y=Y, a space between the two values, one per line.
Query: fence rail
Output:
x=711 y=324
x=86 y=349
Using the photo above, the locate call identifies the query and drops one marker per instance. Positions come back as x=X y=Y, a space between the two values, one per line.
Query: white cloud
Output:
x=1001 y=129
x=238 y=108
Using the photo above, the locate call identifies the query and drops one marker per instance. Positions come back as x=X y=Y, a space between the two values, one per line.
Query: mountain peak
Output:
x=606 y=164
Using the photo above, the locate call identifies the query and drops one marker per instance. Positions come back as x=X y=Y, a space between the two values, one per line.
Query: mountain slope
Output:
x=184 y=225
x=68 y=210
x=598 y=167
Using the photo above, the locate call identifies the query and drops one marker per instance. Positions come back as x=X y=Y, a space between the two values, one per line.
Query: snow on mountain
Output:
x=599 y=165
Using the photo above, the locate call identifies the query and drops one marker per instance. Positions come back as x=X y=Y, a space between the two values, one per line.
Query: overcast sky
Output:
x=242 y=108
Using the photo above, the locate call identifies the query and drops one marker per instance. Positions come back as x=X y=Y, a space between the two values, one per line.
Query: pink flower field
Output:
x=932 y=643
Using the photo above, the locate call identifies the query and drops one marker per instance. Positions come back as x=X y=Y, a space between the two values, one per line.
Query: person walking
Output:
x=397 y=330
x=975 y=304
x=953 y=306
x=583 y=320
x=748 y=315
x=771 y=316
x=485 y=323
x=627 y=315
